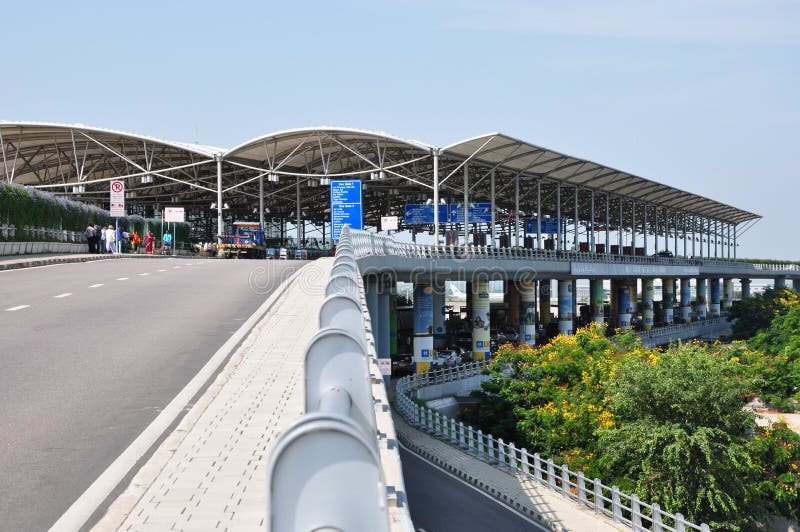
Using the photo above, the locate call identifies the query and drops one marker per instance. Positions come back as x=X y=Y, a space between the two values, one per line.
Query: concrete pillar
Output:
x=701 y=299
x=393 y=319
x=647 y=304
x=745 y=288
x=686 y=300
x=371 y=295
x=423 y=326
x=634 y=284
x=613 y=307
x=668 y=300
x=565 y=316
x=512 y=300
x=544 y=302
x=382 y=340
x=780 y=282
x=727 y=294
x=714 y=297
x=574 y=305
x=480 y=320
x=796 y=284
x=526 y=312
x=469 y=300
x=596 y=298
x=439 y=312
x=624 y=304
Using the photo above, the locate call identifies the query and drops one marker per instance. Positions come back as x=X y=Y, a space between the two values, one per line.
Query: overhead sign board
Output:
x=117 y=198
x=346 y=207
x=549 y=226
x=174 y=214
x=478 y=213
x=422 y=214
x=388 y=223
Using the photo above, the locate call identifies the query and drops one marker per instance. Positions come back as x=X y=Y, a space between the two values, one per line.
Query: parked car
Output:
x=402 y=365
x=445 y=358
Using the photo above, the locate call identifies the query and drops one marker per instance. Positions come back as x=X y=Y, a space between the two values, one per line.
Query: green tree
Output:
x=680 y=436
x=756 y=313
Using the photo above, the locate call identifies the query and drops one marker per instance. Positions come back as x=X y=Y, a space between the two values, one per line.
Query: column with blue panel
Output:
x=727 y=295
x=527 y=312
x=423 y=326
x=668 y=300
x=714 y=297
x=565 y=316
x=596 y=300
x=647 y=304
x=686 y=300
x=481 y=333
x=439 y=314
x=701 y=299
x=624 y=302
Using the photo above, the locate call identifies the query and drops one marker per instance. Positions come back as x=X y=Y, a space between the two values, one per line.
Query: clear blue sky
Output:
x=699 y=94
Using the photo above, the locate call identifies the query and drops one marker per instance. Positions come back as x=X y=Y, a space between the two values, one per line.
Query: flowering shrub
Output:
x=27 y=206
x=665 y=424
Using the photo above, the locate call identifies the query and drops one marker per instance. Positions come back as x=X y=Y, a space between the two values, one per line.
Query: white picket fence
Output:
x=589 y=493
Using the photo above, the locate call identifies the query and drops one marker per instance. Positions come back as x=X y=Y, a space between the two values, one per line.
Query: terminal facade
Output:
x=488 y=208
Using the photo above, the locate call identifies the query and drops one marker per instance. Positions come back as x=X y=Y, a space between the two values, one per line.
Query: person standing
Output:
x=98 y=238
x=149 y=240
x=111 y=238
x=167 y=242
x=90 y=237
x=135 y=241
x=102 y=248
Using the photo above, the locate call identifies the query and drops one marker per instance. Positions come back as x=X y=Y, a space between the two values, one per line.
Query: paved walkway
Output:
x=210 y=473
x=518 y=491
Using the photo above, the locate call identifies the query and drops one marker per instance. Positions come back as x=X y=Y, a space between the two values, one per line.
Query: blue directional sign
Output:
x=422 y=214
x=346 y=207
x=478 y=213
x=549 y=226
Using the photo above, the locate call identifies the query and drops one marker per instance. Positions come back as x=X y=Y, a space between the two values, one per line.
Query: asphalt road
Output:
x=441 y=503
x=89 y=355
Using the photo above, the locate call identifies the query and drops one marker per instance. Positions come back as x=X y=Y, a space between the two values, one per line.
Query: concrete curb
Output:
x=32 y=263
x=90 y=501
x=521 y=507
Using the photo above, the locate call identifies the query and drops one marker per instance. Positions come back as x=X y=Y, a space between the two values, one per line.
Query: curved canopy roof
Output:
x=70 y=157
x=501 y=151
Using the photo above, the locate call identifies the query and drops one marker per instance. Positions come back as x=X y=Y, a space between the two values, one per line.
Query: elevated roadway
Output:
x=92 y=352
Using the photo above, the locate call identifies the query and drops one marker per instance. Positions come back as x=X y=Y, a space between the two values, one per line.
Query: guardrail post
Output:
x=705 y=528
x=599 y=505
x=438 y=424
x=680 y=523
x=453 y=435
x=616 y=509
x=462 y=434
x=526 y=466
x=581 y=488
x=636 y=512
x=480 y=443
x=565 y=481
x=429 y=416
x=537 y=467
x=501 y=452
x=657 y=519
x=551 y=474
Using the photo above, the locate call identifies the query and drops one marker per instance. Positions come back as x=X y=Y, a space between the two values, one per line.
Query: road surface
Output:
x=89 y=355
x=442 y=503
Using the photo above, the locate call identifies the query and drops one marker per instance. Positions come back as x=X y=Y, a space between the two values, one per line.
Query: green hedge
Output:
x=22 y=205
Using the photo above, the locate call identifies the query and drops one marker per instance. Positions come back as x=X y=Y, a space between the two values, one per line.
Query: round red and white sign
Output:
x=117 y=186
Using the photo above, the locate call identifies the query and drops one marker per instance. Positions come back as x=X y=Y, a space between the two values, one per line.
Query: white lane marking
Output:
x=162 y=270
x=176 y=267
x=98 y=285
x=14 y=309
x=65 y=294
x=122 y=279
x=91 y=499
x=143 y=274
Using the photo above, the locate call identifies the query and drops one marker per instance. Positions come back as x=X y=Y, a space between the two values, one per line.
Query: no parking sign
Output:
x=117 y=198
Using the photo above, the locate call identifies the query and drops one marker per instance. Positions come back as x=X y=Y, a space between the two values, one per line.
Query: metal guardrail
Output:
x=366 y=244
x=592 y=494
x=325 y=471
x=676 y=331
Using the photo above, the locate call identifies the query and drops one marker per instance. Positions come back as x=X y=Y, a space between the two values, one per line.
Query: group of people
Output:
x=116 y=240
